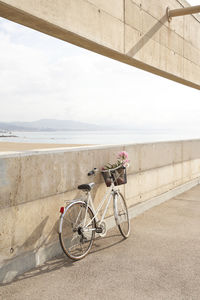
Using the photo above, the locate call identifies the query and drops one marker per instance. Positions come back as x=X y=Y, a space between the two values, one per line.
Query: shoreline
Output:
x=13 y=146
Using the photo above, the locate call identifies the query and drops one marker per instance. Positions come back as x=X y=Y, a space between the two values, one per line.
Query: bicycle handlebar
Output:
x=95 y=170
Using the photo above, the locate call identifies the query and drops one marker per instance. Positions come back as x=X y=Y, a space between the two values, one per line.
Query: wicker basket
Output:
x=119 y=177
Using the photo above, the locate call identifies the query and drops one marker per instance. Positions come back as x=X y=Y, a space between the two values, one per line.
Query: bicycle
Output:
x=79 y=220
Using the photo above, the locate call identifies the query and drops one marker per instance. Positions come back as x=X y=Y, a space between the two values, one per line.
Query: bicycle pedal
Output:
x=99 y=230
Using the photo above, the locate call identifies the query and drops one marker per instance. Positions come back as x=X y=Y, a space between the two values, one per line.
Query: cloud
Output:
x=42 y=77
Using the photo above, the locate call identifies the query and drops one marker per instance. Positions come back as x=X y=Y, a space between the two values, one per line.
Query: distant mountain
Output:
x=49 y=125
x=11 y=127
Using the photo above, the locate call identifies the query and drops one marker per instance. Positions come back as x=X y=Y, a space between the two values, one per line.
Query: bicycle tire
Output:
x=74 y=243
x=121 y=214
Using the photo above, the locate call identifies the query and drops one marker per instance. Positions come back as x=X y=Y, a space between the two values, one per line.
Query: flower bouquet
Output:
x=118 y=175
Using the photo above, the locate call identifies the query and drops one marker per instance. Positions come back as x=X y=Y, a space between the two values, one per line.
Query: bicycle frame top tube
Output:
x=107 y=196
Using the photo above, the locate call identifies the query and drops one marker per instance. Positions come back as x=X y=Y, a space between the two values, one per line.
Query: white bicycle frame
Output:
x=109 y=194
x=89 y=202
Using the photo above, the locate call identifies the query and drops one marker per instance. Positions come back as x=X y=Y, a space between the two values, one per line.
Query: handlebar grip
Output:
x=92 y=172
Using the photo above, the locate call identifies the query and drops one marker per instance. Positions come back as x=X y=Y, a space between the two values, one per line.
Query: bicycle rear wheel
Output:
x=76 y=241
x=121 y=215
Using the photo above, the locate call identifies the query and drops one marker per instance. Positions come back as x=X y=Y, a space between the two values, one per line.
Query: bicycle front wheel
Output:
x=76 y=237
x=121 y=215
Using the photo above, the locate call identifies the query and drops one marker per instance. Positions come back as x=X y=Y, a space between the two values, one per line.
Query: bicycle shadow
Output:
x=109 y=241
x=58 y=262
x=49 y=266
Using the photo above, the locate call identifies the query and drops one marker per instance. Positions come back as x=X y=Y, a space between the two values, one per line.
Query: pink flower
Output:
x=122 y=160
x=123 y=155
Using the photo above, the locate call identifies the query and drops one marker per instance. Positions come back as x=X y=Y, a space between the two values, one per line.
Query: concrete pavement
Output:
x=160 y=260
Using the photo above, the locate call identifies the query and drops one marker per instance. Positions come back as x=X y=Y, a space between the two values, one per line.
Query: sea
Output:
x=100 y=137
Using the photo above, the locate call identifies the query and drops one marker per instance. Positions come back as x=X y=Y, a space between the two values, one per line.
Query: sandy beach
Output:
x=11 y=146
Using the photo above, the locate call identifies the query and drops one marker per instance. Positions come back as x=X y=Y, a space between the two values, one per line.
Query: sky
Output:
x=43 y=77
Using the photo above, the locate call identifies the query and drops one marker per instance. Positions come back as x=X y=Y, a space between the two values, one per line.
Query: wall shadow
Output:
x=147 y=36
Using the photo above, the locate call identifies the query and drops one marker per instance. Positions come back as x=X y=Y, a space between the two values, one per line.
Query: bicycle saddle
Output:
x=86 y=187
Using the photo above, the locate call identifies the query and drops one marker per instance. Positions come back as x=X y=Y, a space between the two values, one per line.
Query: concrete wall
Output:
x=135 y=32
x=35 y=184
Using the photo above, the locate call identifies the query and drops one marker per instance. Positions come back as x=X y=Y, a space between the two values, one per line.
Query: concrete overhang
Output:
x=135 y=32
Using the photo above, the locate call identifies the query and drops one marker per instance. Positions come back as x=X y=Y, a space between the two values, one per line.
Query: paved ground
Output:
x=160 y=260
